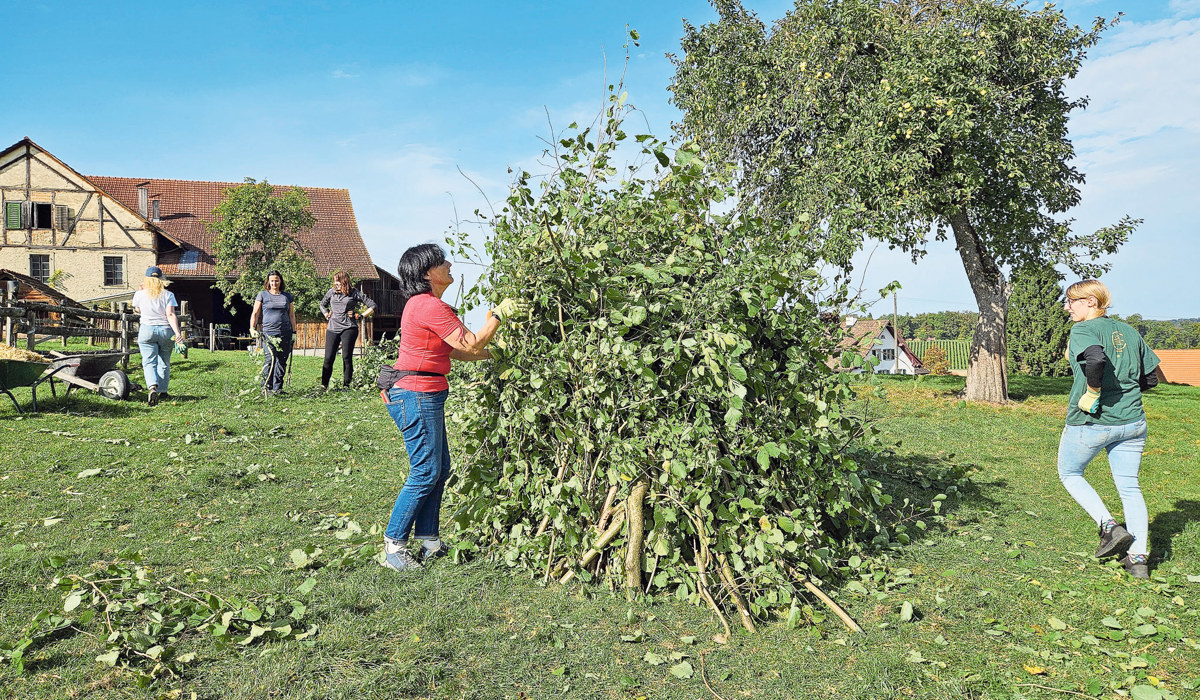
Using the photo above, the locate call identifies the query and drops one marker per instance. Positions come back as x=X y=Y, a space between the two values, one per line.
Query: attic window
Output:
x=155 y=207
x=189 y=260
x=36 y=215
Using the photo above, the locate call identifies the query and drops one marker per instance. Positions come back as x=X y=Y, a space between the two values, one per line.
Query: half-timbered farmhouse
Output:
x=92 y=237
x=61 y=229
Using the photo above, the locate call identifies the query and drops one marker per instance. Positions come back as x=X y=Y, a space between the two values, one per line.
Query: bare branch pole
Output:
x=727 y=578
x=601 y=543
x=637 y=539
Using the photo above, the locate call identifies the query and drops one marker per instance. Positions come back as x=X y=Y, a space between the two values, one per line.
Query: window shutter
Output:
x=12 y=215
x=26 y=214
x=61 y=221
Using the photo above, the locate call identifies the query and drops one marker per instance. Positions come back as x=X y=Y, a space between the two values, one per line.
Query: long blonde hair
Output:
x=1091 y=288
x=154 y=286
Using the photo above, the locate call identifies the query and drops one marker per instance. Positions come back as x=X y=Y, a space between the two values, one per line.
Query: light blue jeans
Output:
x=421 y=417
x=156 y=344
x=1124 y=444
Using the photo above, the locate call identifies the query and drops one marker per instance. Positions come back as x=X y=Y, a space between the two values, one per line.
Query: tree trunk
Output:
x=987 y=368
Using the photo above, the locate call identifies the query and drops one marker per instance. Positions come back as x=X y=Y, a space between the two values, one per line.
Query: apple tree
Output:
x=904 y=121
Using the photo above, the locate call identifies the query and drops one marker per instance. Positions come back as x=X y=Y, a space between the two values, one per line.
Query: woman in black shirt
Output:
x=340 y=306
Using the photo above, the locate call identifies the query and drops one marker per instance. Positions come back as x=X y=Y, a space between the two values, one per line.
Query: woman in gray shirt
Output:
x=340 y=306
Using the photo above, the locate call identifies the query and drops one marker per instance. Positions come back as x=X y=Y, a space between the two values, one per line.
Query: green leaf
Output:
x=906 y=612
x=1145 y=692
x=87 y=473
x=110 y=658
x=72 y=601
x=309 y=583
x=682 y=669
x=1112 y=622
x=1057 y=623
x=654 y=659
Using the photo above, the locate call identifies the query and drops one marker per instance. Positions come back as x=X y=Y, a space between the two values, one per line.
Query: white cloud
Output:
x=341 y=74
x=1185 y=7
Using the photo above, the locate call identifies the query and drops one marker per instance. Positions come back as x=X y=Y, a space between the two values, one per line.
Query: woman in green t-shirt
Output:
x=1112 y=366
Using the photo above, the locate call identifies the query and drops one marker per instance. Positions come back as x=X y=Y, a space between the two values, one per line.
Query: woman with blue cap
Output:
x=157 y=333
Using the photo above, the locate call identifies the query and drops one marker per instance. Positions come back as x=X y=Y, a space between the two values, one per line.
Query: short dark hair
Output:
x=416 y=262
x=268 y=279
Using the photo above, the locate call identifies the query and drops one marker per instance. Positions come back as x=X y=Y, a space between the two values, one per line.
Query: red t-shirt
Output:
x=426 y=321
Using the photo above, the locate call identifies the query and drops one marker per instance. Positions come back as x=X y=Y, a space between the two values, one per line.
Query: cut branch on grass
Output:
x=704 y=676
x=837 y=609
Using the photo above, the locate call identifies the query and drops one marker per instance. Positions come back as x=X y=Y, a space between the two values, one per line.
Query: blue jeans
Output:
x=1124 y=444
x=421 y=418
x=156 y=344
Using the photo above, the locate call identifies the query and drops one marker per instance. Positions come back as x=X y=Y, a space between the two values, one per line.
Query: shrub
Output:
x=935 y=361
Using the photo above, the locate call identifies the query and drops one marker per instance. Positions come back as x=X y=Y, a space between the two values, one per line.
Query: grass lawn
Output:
x=274 y=505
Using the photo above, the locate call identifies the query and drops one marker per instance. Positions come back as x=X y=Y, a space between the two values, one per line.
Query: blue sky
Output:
x=392 y=99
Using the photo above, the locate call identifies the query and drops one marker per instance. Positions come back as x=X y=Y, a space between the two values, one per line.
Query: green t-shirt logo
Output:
x=1118 y=342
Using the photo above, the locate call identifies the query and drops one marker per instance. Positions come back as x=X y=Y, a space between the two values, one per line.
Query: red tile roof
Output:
x=185 y=206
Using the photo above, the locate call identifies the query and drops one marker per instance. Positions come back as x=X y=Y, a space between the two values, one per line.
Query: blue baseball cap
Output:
x=154 y=271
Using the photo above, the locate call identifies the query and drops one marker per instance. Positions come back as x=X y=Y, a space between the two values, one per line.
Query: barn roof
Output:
x=186 y=206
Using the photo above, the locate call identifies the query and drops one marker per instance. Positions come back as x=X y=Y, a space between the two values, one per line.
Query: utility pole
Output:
x=896 y=330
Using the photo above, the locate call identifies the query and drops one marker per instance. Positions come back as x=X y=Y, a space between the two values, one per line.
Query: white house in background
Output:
x=876 y=338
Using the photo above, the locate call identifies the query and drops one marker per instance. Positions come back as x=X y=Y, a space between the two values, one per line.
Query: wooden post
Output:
x=212 y=337
x=125 y=330
x=112 y=341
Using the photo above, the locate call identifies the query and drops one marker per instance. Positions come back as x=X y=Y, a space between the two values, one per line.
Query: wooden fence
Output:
x=40 y=322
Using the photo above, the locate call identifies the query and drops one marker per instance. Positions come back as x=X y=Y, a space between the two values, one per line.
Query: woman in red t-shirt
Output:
x=431 y=335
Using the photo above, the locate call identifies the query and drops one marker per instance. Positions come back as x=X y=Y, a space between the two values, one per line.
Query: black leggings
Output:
x=346 y=339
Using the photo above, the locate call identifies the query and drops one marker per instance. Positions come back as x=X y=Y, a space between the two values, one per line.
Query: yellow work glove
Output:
x=510 y=307
x=1087 y=402
x=254 y=333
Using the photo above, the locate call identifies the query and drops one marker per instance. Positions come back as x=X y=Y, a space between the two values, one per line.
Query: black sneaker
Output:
x=1137 y=565
x=425 y=555
x=1114 y=543
x=153 y=398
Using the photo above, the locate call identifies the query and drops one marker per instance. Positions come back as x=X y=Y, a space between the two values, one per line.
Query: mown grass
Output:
x=218 y=486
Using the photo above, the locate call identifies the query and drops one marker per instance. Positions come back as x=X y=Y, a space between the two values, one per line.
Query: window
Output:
x=39 y=267
x=114 y=271
x=888 y=354
x=43 y=215
x=38 y=215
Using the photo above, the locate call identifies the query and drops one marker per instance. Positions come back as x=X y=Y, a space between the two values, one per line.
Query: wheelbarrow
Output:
x=17 y=373
x=89 y=370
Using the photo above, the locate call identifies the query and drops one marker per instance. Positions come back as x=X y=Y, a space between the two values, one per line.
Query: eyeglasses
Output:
x=1068 y=301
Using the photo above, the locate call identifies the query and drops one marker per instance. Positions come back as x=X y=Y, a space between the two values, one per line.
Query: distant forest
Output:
x=1176 y=334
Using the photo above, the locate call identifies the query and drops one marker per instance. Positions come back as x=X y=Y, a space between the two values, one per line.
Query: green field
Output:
x=228 y=495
